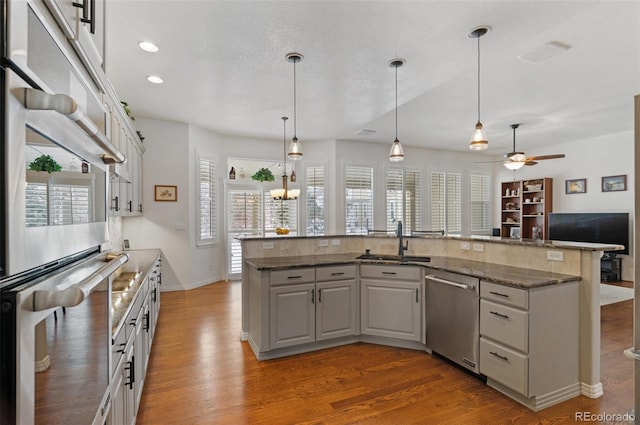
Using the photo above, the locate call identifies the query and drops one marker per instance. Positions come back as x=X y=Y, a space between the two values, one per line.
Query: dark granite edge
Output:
x=477 y=269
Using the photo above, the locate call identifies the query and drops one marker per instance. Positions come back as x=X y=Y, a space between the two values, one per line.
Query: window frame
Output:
x=213 y=208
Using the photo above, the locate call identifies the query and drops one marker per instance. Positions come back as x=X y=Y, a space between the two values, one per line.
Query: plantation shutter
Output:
x=358 y=200
x=454 y=203
x=403 y=192
x=315 y=200
x=244 y=217
x=438 y=205
x=395 y=199
x=480 y=194
x=207 y=224
x=413 y=201
x=279 y=213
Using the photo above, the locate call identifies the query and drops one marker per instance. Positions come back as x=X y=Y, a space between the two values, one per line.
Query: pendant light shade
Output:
x=295 y=149
x=397 y=153
x=478 y=139
x=284 y=193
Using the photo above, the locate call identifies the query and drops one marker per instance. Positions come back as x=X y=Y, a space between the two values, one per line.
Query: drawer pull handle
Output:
x=337 y=273
x=505 y=358
x=499 y=294
x=417 y=296
x=495 y=313
x=294 y=277
x=319 y=295
x=313 y=296
x=389 y=273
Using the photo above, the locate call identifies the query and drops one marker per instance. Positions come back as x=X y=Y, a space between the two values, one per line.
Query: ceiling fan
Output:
x=515 y=160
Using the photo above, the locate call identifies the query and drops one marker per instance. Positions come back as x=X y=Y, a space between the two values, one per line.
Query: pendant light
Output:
x=515 y=160
x=284 y=194
x=479 y=137
x=295 y=149
x=397 y=153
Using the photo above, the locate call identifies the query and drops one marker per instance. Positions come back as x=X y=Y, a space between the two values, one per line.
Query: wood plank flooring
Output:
x=200 y=373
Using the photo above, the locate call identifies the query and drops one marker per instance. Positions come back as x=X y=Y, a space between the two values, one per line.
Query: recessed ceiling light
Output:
x=148 y=46
x=154 y=79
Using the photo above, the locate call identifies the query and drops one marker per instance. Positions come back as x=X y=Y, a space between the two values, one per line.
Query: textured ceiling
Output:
x=224 y=68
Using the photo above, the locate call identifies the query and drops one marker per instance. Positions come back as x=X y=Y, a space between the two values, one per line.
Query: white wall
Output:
x=591 y=159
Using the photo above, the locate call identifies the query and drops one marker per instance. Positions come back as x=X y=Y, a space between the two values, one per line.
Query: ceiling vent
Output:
x=544 y=52
x=365 y=132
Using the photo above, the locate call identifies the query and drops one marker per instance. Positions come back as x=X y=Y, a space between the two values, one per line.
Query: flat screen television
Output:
x=605 y=228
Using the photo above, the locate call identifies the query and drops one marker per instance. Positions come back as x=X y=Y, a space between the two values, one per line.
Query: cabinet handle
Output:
x=313 y=296
x=154 y=296
x=505 y=358
x=85 y=10
x=92 y=23
x=417 y=297
x=389 y=273
x=294 y=277
x=319 y=295
x=132 y=375
x=130 y=206
x=117 y=202
x=121 y=350
x=139 y=208
x=337 y=273
x=133 y=322
x=499 y=294
x=504 y=316
x=146 y=321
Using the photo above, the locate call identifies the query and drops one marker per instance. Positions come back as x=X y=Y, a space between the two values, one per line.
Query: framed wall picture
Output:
x=575 y=186
x=164 y=193
x=614 y=183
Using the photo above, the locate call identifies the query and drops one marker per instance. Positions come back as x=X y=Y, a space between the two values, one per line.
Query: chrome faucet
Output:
x=402 y=245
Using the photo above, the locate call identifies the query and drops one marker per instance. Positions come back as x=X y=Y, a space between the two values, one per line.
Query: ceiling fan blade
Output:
x=488 y=162
x=541 y=157
x=529 y=162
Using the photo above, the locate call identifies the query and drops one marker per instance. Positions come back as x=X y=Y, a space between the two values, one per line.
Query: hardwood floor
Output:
x=200 y=373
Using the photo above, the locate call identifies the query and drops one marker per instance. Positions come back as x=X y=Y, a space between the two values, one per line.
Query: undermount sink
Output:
x=398 y=258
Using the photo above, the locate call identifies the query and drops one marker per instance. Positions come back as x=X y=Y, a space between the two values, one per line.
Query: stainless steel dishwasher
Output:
x=453 y=314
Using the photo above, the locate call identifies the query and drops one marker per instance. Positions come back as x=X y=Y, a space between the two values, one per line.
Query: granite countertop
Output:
x=127 y=282
x=507 y=275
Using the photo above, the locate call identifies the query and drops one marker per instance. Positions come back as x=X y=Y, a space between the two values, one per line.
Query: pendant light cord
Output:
x=478 y=79
x=396 y=66
x=294 y=99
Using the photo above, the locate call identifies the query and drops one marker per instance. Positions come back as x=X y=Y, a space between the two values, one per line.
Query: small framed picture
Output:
x=166 y=193
x=575 y=186
x=515 y=233
x=614 y=183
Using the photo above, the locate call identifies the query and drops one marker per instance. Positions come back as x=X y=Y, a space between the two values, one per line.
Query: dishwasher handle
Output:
x=448 y=282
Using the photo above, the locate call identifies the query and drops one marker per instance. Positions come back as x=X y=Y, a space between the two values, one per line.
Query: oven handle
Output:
x=447 y=282
x=65 y=105
x=74 y=295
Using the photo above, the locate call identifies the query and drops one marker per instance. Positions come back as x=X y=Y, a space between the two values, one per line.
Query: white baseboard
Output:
x=591 y=391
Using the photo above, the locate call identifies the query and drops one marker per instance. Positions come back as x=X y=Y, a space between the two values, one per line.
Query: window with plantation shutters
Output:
x=207 y=222
x=480 y=199
x=446 y=201
x=358 y=199
x=58 y=198
x=244 y=218
x=403 y=199
x=314 y=181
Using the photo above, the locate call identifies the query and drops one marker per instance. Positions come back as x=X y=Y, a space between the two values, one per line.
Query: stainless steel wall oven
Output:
x=55 y=175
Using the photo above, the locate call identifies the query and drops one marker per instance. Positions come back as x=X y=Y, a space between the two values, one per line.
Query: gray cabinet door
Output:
x=292 y=315
x=391 y=309
x=336 y=309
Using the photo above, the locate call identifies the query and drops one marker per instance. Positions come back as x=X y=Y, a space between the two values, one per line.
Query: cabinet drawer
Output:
x=505 y=294
x=287 y=277
x=325 y=274
x=503 y=365
x=391 y=272
x=505 y=324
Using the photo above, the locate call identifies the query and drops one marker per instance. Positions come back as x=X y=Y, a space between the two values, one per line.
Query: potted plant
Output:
x=263 y=175
x=45 y=163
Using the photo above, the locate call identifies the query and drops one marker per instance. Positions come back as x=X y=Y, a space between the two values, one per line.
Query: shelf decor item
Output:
x=45 y=163
x=164 y=193
x=614 y=183
x=575 y=186
x=263 y=175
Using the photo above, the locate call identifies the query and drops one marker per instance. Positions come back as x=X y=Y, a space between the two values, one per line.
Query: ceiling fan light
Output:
x=514 y=165
x=478 y=140
x=397 y=153
x=517 y=156
x=295 y=150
